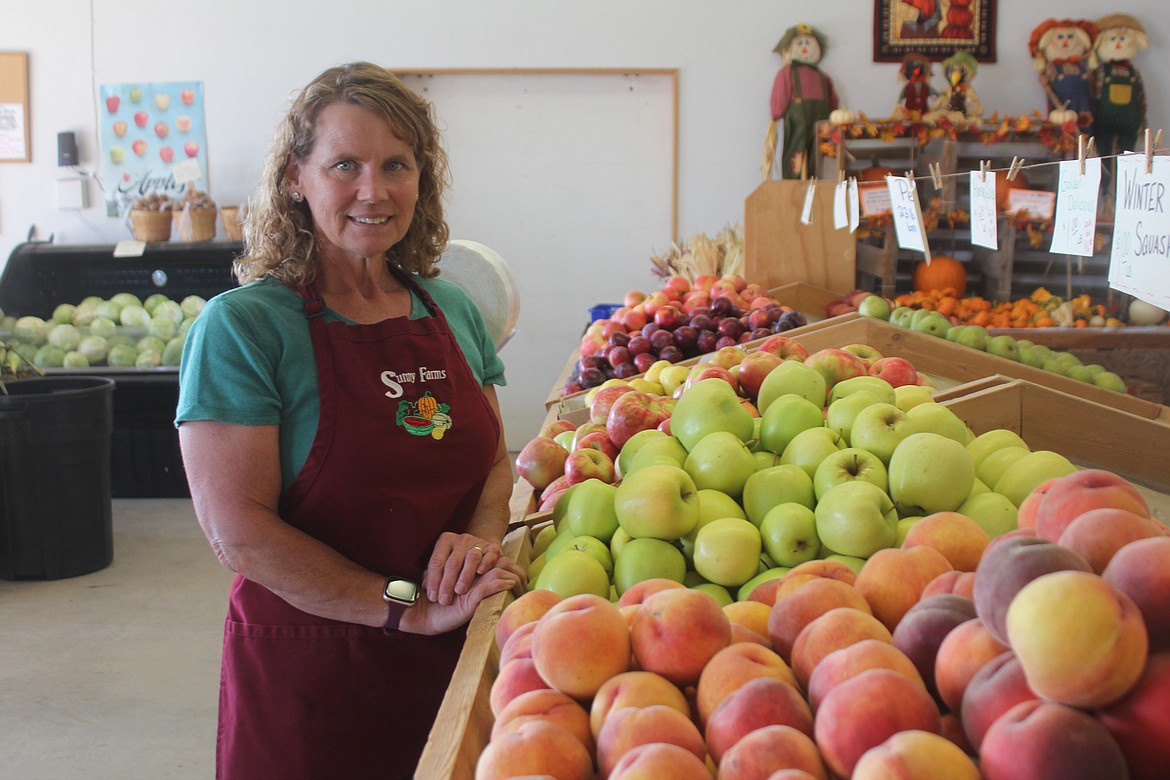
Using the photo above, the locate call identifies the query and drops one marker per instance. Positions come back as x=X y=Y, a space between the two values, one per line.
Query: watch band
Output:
x=394 y=612
x=399 y=593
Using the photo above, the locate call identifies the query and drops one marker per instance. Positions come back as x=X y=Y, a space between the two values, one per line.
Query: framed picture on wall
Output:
x=934 y=28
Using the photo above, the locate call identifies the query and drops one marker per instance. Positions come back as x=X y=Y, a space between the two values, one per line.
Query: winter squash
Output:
x=875 y=173
x=842 y=116
x=1003 y=187
x=942 y=273
x=1062 y=116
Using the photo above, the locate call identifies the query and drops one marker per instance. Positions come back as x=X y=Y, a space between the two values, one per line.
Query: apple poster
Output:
x=145 y=131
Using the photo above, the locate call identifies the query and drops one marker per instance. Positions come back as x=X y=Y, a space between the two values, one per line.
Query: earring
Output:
x=298 y=197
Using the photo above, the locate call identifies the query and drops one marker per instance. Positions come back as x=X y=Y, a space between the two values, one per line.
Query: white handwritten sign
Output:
x=854 y=206
x=1076 y=208
x=806 y=210
x=907 y=214
x=841 y=205
x=1140 y=260
x=984 y=224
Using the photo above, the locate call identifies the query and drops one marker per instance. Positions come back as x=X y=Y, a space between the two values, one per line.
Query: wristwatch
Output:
x=399 y=594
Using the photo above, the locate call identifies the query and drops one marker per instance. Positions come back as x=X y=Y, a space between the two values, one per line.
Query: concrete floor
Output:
x=115 y=674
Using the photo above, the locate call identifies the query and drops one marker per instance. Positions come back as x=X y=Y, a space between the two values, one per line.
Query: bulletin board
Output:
x=14 y=130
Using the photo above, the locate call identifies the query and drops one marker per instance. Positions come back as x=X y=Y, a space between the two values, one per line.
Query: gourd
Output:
x=427 y=406
x=842 y=116
x=1142 y=313
x=943 y=272
x=1062 y=116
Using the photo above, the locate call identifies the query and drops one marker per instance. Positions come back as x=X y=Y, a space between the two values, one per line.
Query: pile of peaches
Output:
x=1040 y=653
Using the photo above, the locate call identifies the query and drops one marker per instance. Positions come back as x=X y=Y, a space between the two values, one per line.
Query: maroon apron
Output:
x=404 y=444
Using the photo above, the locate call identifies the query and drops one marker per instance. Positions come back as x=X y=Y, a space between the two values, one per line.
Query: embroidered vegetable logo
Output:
x=424 y=416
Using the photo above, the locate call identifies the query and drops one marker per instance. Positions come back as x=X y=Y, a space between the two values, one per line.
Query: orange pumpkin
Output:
x=942 y=273
x=1003 y=187
x=427 y=406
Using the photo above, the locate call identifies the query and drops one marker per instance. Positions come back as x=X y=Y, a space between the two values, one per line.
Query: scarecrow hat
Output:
x=1110 y=21
x=961 y=59
x=800 y=29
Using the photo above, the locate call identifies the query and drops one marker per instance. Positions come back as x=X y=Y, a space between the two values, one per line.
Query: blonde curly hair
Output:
x=278 y=232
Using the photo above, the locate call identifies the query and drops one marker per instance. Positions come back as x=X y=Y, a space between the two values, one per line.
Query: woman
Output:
x=342 y=440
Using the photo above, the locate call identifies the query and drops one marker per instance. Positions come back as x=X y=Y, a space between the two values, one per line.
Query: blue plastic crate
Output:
x=603 y=311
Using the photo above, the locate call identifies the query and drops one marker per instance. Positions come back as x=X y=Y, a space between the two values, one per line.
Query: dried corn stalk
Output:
x=702 y=254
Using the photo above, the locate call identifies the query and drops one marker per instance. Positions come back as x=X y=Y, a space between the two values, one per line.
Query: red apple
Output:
x=897 y=371
x=588 y=463
x=598 y=440
x=191 y=149
x=836 y=365
x=557 y=426
x=716 y=372
x=603 y=401
x=654 y=301
x=633 y=412
x=139 y=147
x=112 y=103
x=679 y=283
x=541 y=461
x=754 y=368
x=167 y=154
x=634 y=319
x=187 y=96
x=161 y=129
x=634 y=298
x=141 y=118
x=784 y=346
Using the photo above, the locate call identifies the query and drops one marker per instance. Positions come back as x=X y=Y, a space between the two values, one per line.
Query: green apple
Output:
x=996 y=464
x=565 y=439
x=936 y=418
x=765 y=459
x=978 y=487
x=659 y=501
x=1094 y=369
x=714 y=504
x=535 y=567
x=874 y=306
x=707 y=406
x=543 y=538
x=852 y=561
x=633 y=444
x=808 y=448
x=562 y=506
x=1029 y=471
x=720 y=461
x=618 y=542
x=791 y=376
x=564 y=539
x=846 y=465
x=771 y=487
x=929 y=473
x=901 y=316
x=866 y=352
x=721 y=595
x=856 y=518
x=595 y=547
x=1030 y=356
x=789 y=534
x=994 y=513
x=727 y=551
x=974 y=336
x=990 y=441
x=841 y=413
x=787 y=416
x=906 y=397
x=934 y=324
x=880 y=428
x=773 y=573
x=666 y=449
x=904 y=526
x=1003 y=346
x=1052 y=365
x=590 y=510
x=874 y=385
x=918 y=315
x=1068 y=360
x=1109 y=381
x=672 y=378
x=573 y=572
x=644 y=559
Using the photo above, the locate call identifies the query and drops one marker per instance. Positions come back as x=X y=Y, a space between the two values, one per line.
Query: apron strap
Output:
x=314 y=302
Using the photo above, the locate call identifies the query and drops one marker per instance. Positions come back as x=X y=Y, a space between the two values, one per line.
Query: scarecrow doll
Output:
x=1062 y=53
x=957 y=101
x=1119 y=95
x=802 y=95
x=914 y=100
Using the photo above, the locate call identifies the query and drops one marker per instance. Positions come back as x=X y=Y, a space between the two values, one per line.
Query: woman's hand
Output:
x=428 y=616
x=456 y=562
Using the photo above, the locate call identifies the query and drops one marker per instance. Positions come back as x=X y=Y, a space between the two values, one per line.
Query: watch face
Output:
x=403 y=591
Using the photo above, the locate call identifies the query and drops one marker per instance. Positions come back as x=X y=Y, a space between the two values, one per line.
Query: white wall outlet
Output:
x=70 y=194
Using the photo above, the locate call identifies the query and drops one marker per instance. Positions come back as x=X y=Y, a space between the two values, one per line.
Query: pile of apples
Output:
x=935 y=323
x=682 y=320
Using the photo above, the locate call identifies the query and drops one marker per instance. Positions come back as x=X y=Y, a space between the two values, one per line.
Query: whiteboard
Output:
x=571 y=176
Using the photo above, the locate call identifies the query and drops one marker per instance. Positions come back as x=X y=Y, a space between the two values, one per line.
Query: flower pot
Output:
x=55 y=505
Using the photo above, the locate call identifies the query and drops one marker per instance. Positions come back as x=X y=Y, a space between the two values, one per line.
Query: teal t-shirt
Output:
x=249 y=360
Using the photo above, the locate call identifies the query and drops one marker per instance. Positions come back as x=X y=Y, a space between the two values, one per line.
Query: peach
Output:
x=915 y=755
x=529 y=608
x=962 y=653
x=1081 y=641
x=732 y=667
x=676 y=632
x=959 y=538
x=1026 y=514
x=1141 y=721
x=749 y=614
x=892 y=580
x=834 y=570
x=960 y=583
x=656 y=760
x=629 y=727
x=848 y=662
x=770 y=750
x=634 y=689
x=1072 y=495
x=515 y=677
x=1141 y=570
x=808 y=602
x=791 y=774
x=1037 y=740
x=997 y=687
x=580 y=643
x=924 y=628
x=837 y=628
x=636 y=593
x=865 y=711
x=535 y=748
x=952 y=729
x=549 y=705
x=742 y=634
x=770 y=591
x=764 y=701
x=1098 y=534
x=1010 y=563
x=518 y=644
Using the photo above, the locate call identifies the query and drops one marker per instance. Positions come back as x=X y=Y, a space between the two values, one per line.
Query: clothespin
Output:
x=984 y=168
x=1149 y=153
x=840 y=174
x=1017 y=164
x=1083 y=151
x=936 y=175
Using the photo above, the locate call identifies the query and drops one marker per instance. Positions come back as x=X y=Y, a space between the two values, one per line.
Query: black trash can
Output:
x=55 y=505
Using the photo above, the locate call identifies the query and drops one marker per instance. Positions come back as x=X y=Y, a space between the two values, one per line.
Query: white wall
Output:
x=251 y=55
